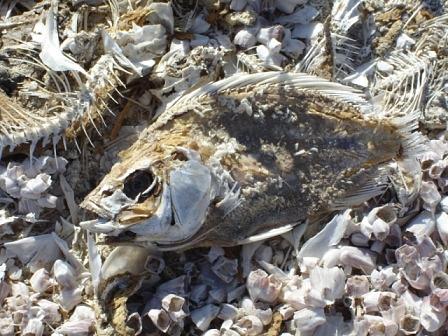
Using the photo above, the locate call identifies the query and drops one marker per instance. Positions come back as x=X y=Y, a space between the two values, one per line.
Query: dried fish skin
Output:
x=195 y=173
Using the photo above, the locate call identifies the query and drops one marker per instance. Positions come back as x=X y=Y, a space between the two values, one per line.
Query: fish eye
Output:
x=140 y=182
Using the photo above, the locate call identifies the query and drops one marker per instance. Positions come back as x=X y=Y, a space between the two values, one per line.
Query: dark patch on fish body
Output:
x=337 y=141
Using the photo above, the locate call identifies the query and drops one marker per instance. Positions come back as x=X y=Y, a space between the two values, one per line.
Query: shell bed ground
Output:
x=81 y=79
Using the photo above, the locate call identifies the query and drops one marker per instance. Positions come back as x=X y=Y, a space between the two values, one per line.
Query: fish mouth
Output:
x=93 y=207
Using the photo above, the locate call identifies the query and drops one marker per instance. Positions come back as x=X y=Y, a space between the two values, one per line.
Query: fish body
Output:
x=246 y=158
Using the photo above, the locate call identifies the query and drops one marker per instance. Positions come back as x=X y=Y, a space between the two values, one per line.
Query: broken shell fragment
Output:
x=442 y=226
x=359 y=258
x=245 y=39
x=308 y=319
x=202 y=317
x=328 y=282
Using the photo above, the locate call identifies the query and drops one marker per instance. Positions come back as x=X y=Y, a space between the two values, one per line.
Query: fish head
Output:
x=162 y=198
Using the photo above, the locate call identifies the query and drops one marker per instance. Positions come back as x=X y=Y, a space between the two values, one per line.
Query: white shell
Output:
x=202 y=317
x=384 y=278
x=249 y=325
x=308 y=319
x=301 y=15
x=287 y=6
x=173 y=304
x=378 y=222
x=268 y=56
x=431 y=317
x=238 y=5
x=245 y=39
x=444 y=204
x=70 y=298
x=409 y=325
x=49 y=311
x=212 y=332
x=323 y=241
x=214 y=253
x=162 y=13
x=160 y=318
x=34 y=327
x=328 y=282
x=227 y=312
x=359 y=239
x=40 y=280
x=64 y=275
x=442 y=226
x=422 y=225
x=430 y=195
x=307 y=31
x=357 y=285
x=36 y=252
x=262 y=286
x=360 y=258
x=225 y=268
x=286 y=311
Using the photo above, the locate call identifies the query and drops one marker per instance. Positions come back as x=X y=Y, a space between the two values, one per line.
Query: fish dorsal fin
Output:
x=291 y=80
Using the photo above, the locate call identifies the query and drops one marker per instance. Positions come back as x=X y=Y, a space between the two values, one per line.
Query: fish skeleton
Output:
x=247 y=158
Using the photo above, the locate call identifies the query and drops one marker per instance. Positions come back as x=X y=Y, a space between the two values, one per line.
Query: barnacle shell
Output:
x=430 y=195
x=160 y=318
x=431 y=318
x=357 y=285
x=40 y=280
x=262 y=286
x=378 y=222
x=249 y=325
x=173 y=304
x=384 y=278
x=409 y=324
x=439 y=286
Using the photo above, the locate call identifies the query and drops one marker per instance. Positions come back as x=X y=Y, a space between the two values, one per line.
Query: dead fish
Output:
x=247 y=158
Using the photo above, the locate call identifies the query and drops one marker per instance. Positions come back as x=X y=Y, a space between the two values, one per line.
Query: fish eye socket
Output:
x=138 y=182
x=179 y=155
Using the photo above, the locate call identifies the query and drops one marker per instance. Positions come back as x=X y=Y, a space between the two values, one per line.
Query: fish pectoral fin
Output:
x=360 y=187
x=268 y=234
